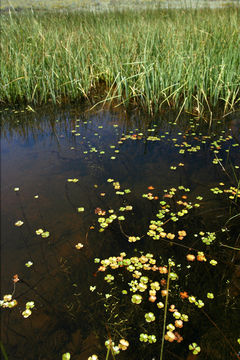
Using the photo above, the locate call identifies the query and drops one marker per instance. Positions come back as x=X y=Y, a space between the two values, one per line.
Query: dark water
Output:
x=39 y=152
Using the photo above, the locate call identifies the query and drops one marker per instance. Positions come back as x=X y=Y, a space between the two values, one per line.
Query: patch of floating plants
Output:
x=136 y=239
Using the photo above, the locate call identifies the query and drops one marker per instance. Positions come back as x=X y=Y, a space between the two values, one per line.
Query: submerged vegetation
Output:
x=187 y=59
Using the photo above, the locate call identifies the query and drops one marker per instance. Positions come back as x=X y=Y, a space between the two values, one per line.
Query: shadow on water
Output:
x=41 y=152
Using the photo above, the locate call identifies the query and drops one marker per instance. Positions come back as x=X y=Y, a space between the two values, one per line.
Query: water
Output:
x=109 y=5
x=41 y=151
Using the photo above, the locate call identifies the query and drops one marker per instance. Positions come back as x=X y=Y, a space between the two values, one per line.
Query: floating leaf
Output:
x=45 y=234
x=66 y=356
x=19 y=223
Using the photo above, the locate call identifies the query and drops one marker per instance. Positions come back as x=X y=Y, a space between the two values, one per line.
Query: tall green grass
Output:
x=175 y=58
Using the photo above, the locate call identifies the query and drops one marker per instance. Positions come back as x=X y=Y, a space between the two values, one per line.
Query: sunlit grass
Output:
x=174 y=58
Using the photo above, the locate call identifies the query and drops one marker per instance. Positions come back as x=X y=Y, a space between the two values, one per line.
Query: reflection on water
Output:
x=40 y=152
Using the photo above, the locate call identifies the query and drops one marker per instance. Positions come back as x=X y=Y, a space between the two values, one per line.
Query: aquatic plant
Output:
x=146 y=289
x=186 y=59
x=160 y=272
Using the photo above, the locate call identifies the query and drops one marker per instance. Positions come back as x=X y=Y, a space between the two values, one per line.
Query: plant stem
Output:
x=3 y=351
x=227 y=341
x=165 y=313
x=108 y=352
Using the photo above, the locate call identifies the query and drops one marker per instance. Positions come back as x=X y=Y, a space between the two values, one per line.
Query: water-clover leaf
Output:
x=29 y=264
x=66 y=356
x=19 y=223
x=195 y=348
x=45 y=234
x=39 y=231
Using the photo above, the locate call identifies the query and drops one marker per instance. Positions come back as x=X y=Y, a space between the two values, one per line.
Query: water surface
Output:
x=40 y=152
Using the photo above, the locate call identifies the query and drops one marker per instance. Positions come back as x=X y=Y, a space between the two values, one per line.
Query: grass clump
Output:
x=175 y=58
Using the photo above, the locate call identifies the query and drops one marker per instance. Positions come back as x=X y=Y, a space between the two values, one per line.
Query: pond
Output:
x=106 y=5
x=79 y=186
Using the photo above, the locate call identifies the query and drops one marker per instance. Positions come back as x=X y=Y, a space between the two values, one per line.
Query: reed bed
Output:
x=175 y=58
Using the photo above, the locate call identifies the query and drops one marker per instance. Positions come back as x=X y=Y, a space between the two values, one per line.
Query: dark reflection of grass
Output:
x=61 y=120
x=174 y=58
